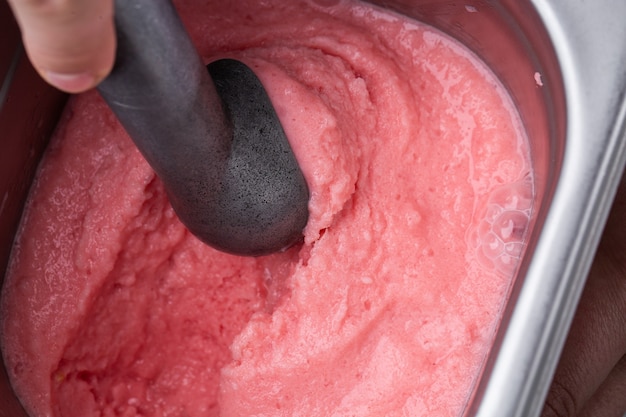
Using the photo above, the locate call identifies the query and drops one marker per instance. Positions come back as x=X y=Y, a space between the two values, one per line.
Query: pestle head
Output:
x=256 y=201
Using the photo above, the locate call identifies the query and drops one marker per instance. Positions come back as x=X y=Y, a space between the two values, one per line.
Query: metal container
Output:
x=564 y=64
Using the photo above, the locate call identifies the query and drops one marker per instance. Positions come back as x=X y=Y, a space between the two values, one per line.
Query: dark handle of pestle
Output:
x=217 y=146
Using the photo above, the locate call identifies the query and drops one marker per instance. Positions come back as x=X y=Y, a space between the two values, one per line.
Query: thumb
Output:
x=70 y=43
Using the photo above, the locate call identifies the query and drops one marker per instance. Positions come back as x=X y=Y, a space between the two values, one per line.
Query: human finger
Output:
x=71 y=43
x=610 y=399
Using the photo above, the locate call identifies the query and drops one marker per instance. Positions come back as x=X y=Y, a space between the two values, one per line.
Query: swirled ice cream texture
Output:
x=421 y=190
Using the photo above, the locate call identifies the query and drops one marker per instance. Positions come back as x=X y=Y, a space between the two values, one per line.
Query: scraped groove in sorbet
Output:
x=421 y=191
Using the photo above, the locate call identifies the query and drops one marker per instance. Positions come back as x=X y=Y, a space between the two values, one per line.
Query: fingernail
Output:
x=71 y=83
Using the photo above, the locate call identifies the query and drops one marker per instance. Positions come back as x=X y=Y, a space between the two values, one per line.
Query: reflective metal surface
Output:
x=589 y=39
x=564 y=63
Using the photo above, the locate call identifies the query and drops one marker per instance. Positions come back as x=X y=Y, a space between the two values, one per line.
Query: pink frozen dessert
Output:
x=421 y=191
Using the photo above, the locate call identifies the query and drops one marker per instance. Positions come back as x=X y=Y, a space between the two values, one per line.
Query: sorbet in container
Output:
x=280 y=360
